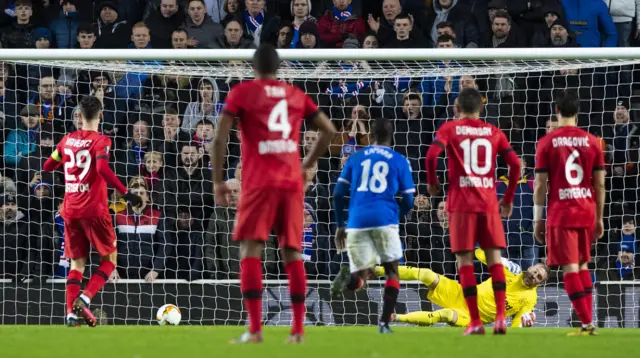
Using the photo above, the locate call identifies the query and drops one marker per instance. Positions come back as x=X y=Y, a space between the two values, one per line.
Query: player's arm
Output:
x=540 y=190
x=510 y=157
x=599 y=188
x=53 y=162
x=431 y=162
x=407 y=188
x=327 y=131
x=223 y=128
x=103 y=169
x=339 y=192
x=525 y=316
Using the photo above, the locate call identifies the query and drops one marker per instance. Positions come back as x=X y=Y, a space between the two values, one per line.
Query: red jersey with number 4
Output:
x=570 y=155
x=472 y=147
x=85 y=190
x=270 y=116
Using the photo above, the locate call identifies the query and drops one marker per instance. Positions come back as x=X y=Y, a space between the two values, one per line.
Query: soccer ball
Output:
x=169 y=315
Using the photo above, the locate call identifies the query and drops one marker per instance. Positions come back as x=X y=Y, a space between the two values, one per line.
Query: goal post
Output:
x=190 y=247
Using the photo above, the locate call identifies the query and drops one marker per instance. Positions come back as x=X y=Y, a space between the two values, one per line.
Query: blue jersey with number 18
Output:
x=375 y=175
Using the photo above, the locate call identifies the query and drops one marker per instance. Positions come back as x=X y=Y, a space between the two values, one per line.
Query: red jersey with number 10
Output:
x=85 y=190
x=270 y=116
x=570 y=155
x=472 y=147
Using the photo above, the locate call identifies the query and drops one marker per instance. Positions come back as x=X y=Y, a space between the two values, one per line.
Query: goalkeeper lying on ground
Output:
x=447 y=293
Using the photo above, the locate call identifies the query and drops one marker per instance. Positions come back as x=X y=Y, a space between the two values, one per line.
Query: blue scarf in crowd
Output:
x=253 y=22
x=307 y=239
x=140 y=152
x=342 y=15
x=348 y=90
x=62 y=268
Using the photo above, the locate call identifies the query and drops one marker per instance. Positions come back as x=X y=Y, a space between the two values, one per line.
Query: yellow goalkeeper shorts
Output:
x=448 y=294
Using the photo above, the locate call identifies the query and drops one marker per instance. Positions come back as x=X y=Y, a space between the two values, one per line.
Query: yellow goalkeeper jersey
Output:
x=520 y=298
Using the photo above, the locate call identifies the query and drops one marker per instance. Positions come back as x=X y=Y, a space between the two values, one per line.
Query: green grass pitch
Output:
x=322 y=342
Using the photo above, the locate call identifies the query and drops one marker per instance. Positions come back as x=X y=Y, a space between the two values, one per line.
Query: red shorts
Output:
x=467 y=229
x=80 y=234
x=568 y=245
x=262 y=210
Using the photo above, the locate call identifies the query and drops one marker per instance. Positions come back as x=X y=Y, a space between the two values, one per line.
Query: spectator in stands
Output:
x=221 y=252
x=23 y=141
x=438 y=252
x=370 y=41
x=384 y=28
x=130 y=160
x=317 y=195
x=457 y=15
x=559 y=35
x=132 y=85
x=541 y=32
x=413 y=131
x=501 y=34
x=622 y=13
x=42 y=38
x=42 y=207
x=171 y=138
x=416 y=227
x=18 y=34
x=254 y=19
x=521 y=247
x=336 y=24
x=20 y=238
x=188 y=184
x=8 y=101
x=113 y=120
x=205 y=108
x=315 y=245
x=300 y=10
x=405 y=37
x=65 y=27
x=163 y=22
x=285 y=35
x=179 y=39
x=142 y=243
x=140 y=36
x=309 y=37
x=591 y=22
x=153 y=172
x=86 y=36
x=233 y=38
x=54 y=107
x=624 y=139
x=434 y=88
x=202 y=31
x=113 y=32
x=231 y=7
x=186 y=252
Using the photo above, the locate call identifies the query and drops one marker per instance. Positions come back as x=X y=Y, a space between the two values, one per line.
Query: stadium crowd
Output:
x=161 y=125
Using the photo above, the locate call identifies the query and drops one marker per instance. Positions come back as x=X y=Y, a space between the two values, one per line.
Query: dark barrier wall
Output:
x=205 y=304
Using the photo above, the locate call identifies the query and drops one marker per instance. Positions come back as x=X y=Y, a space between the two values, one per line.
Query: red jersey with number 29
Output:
x=472 y=147
x=270 y=114
x=570 y=155
x=85 y=189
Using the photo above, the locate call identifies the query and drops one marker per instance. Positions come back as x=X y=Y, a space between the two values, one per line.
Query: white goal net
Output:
x=161 y=109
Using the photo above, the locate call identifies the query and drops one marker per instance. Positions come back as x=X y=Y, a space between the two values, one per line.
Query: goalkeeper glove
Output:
x=527 y=319
x=134 y=199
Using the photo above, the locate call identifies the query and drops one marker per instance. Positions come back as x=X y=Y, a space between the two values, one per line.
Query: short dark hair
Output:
x=204 y=123
x=266 y=60
x=403 y=16
x=23 y=3
x=446 y=38
x=413 y=97
x=171 y=112
x=90 y=107
x=86 y=28
x=568 y=103
x=628 y=218
x=443 y=24
x=179 y=29
x=382 y=130
x=470 y=100
x=503 y=14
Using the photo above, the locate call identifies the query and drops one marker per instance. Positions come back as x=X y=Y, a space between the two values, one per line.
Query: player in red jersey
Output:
x=474 y=217
x=572 y=162
x=270 y=115
x=85 y=209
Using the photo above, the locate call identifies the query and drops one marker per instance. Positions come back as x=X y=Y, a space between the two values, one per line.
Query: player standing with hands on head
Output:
x=472 y=205
x=375 y=175
x=270 y=114
x=85 y=209
x=572 y=162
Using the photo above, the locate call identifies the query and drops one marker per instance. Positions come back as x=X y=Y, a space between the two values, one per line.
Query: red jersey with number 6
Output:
x=270 y=116
x=472 y=147
x=85 y=189
x=570 y=155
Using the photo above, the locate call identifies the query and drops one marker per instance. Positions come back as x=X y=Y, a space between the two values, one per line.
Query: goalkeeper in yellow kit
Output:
x=521 y=295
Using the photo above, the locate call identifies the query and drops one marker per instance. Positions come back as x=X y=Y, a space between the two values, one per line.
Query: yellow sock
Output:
x=408 y=273
x=423 y=318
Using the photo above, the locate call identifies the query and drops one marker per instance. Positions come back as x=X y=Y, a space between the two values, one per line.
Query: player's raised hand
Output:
x=222 y=194
x=433 y=189
x=539 y=231
x=599 y=230
x=341 y=240
x=506 y=209
x=134 y=199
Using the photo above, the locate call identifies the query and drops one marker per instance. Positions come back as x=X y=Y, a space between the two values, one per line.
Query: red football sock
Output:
x=391 y=290
x=74 y=281
x=298 y=292
x=470 y=291
x=587 y=284
x=499 y=288
x=99 y=278
x=575 y=291
x=251 y=287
